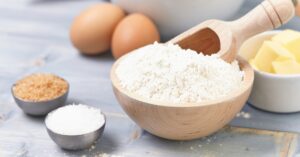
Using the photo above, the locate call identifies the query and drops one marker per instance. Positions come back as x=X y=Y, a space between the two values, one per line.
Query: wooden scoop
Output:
x=225 y=38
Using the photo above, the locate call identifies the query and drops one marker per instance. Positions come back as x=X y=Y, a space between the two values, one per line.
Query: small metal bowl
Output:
x=40 y=108
x=76 y=142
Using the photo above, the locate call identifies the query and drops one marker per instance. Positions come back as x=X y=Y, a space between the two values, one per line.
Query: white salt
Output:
x=75 y=120
x=165 y=72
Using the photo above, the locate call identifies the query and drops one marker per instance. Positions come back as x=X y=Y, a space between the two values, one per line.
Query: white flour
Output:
x=75 y=120
x=165 y=72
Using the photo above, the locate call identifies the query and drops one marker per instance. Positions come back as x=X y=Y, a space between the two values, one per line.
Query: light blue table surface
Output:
x=34 y=38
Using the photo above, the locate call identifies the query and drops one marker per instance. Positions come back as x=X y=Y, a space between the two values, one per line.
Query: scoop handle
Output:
x=270 y=14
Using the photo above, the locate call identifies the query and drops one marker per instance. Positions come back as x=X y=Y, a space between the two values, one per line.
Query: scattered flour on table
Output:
x=165 y=72
x=75 y=120
x=244 y=115
x=106 y=155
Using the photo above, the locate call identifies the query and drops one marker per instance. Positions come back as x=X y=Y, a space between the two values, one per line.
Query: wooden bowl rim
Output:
x=247 y=83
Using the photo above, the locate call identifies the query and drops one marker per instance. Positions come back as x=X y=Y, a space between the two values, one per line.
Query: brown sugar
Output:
x=40 y=87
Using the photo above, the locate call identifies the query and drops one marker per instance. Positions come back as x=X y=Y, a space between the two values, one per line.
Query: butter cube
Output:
x=290 y=40
x=286 y=36
x=251 y=61
x=286 y=67
x=268 y=53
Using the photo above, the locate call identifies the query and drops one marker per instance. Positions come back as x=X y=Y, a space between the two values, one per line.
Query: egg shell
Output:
x=91 y=31
x=134 y=31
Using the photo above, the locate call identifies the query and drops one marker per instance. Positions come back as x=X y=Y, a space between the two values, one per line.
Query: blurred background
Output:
x=35 y=37
x=52 y=18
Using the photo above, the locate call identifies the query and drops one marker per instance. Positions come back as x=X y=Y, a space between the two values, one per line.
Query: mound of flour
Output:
x=165 y=72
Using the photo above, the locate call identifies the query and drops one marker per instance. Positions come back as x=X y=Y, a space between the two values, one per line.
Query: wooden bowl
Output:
x=183 y=121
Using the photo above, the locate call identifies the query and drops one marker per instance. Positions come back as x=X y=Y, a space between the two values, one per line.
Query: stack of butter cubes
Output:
x=280 y=55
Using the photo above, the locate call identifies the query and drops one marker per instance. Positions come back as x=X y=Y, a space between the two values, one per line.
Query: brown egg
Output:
x=134 y=31
x=91 y=32
x=298 y=9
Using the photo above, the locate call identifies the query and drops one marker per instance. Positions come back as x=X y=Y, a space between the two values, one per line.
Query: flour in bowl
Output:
x=166 y=72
